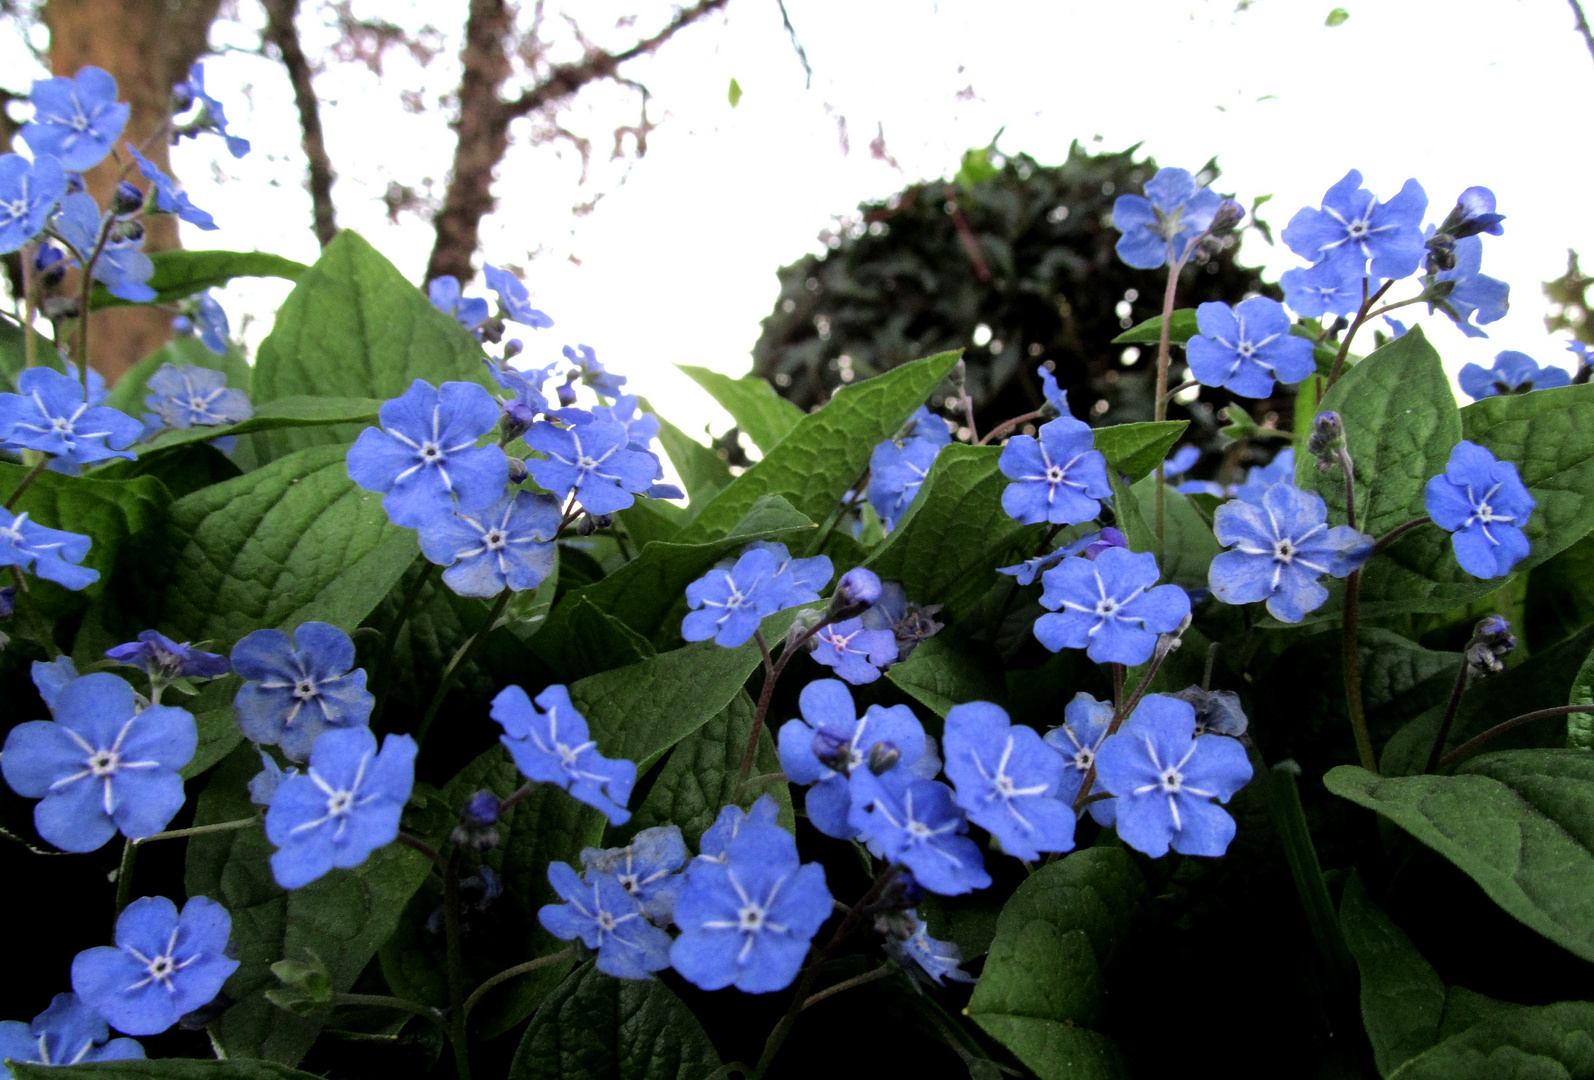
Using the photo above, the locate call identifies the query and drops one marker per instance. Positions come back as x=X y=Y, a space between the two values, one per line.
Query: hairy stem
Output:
x=1501 y=728
x=461 y=655
x=519 y=969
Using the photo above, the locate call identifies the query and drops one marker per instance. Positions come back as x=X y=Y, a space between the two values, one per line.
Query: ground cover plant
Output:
x=385 y=704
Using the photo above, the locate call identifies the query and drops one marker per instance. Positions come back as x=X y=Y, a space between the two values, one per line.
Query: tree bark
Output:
x=281 y=32
x=484 y=118
x=147 y=47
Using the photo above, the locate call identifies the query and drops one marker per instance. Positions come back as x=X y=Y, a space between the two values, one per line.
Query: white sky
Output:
x=677 y=262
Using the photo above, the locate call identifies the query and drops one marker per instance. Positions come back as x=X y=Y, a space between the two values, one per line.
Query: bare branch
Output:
x=282 y=32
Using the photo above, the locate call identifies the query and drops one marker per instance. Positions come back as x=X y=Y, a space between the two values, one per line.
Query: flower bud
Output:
x=883 y=757
x=476 y=820
x=1492 y=641
x=126 y=199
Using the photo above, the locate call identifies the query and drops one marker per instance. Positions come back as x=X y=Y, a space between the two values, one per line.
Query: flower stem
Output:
x=379 y=673
x=519 y=969
x=27 y=481
x=1443 y=734
x=456 y=964
x=857 y=980
x=1356 y=324
x=462 y=654
x=1501 y=728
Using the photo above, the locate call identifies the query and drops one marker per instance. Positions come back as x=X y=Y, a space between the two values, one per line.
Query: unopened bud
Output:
x=1492 y=641
x=883 y=757
x=126 y=199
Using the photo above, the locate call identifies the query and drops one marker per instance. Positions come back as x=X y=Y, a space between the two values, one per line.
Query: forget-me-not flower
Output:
x=1513 y=373
x=1111 y=607
x=853 y=652
x=728 y=604
x=444 y=293
x=67 y=1033
x=1058 y=478
x=184 y=397
x=917 y=823
x=1482 y=503
x=1159 y=227
x=170 y=198
x=297 y=688
x=1086 y=722
x=1165 y=779
x=747 y=921
x=101 y=765
x=28 y=192
x=647 y=868
x=122 y=268
x=592 y=460
x=1354 y=226
x=163 y=965
x=1246 y=347
x=75 y=120
x=424 y=456
x=831 y=741
x=513 y=298
x=1281 y=470
x=729 y=823
x=51 y=414
x=936 y=959
x=1007 y=780
x=550 y=743
x=1333 y=287
x=53 y=553
x=344 y=806
x=211 y=115
x=607 y=917
x=1279 y=549
x=509 y=545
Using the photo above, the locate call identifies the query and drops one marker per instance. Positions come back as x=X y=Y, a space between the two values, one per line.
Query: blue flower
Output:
x=729 y=823
x=1474 y=293
x=1246 y=347
x=647 y=868
x=54 y=554
x=1109 y=607
x=121 y=267
x=728 y=604
x=1086 y=722
x=28 y=192
x=747 y=921
x=51 y=678
x=1007 y=780
x=1513 y=373
x=1281 y=470
x=164 y=659
x=1058 y=478
x=592 y=373
x=297 y=688
x=895 y=475
x=101 y=765
x=509 y=545
x=1216 y=711
x=344 y=806
x=75 y=120
x=211 y=116
x=592 y=460
x=1165 y=779
x=830 y=724
x=1354 y=226
x=513 y=298
x=796 y=581
x=1483 y=505
x=66 y=1033
x=1334 y=287
x=51 y=414
x=163 y=966
x=184 y=397
x=170 y=198
x=444 y=293
x=550 y=744
x=606 y=917
x=425 y=454
x=937 y=959
x=1159 y=227
x=856 y=654
x=917 y=823
x=1280 y=548
x=1054 y=395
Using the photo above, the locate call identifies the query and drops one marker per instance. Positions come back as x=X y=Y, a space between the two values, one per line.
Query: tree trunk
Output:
x=147 y=47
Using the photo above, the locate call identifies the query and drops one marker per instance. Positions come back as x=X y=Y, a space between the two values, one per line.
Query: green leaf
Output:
x=355 y=327
x=827 y=451
x=764 y=415
x=596 y=1027
x=293 y=541
x=285 y=412
x=941 y=673
x=1580 y=726
x=1403 y=999
x=699 y=779
x=182 y=273
x=342 y=917
x=947 y=547
x=1150 y=332
x=166 y=1069
x=702 y=471
x=1517 y=823
x=1548 y=1041
x=1137 y=449
x=1043 y=980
